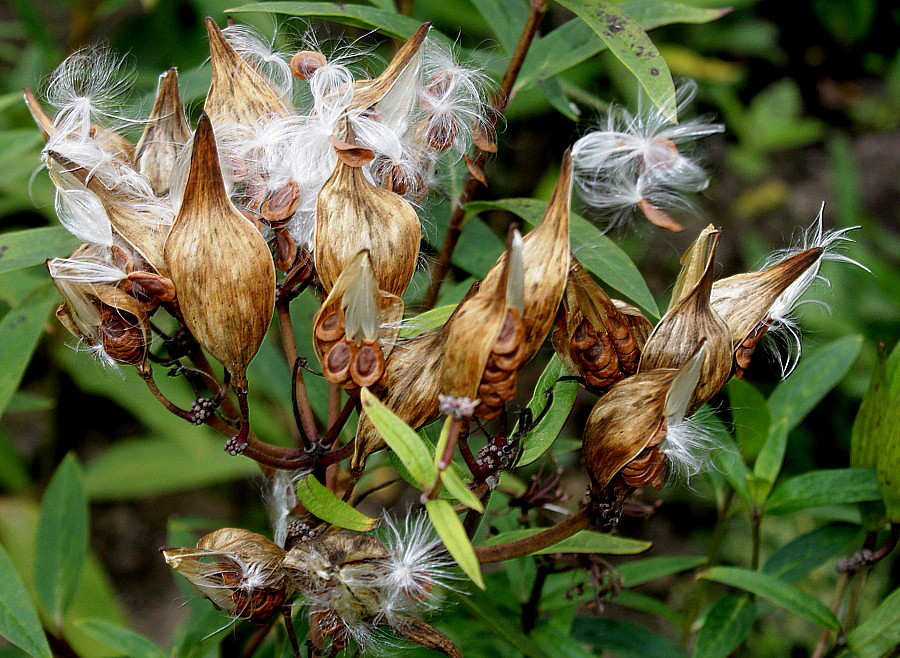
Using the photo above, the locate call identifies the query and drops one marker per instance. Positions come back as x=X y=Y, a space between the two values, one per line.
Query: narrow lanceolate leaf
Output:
x=727 y=625
x=400 y=438
x=427 y=321
x=20 y=330
x=19 y=623
x=542 y=436
x=639 y=572
x=62 y=539
x=880 y=632
x=452 y=533
x=829 y=487
x=794 y=560
x=457 y=488
x=123 y=640
x=319 y=500
x=776 y=591
x=19 y=249
x=585 y=541
x=631 y=45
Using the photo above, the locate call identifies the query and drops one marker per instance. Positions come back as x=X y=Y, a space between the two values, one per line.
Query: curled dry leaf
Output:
x=164 y=135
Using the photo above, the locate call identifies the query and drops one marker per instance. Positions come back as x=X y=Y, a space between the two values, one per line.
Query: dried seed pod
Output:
x=306 y=62
x=367 y=93
x=353 y=215
x=164 y=135
x=691 y=320
x=238 y=94
x=124 y=330
x=238 y=570
x=220 y=265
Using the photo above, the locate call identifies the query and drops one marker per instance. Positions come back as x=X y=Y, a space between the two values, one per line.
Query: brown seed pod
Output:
x=220 y=265
x=353 y=215
x=164 y=135
x=367 y=93
x=691 y=320
x=238 y=94
x=124 y=330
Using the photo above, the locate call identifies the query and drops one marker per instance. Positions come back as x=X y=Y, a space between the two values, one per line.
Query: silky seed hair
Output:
x=259 y=52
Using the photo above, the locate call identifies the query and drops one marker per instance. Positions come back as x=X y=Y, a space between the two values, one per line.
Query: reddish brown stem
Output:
x=498 y=105
x=301 y=397
x=528 y=545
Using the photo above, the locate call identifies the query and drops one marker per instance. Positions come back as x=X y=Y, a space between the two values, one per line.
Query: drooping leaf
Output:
x=596 y=252
x=62 y=539
x=880 y=632
x=19 y=622
x=727 y=625
x=639 y=572
x=630 y=44
x=20 y=249
x=622 y=638
x=584 y=541
x=450 y=530
x=401 y=439
x=798 y=557
x=542 y=436
x=775 y=591
x=828 y=487
x=320 y=500
x=121 y=639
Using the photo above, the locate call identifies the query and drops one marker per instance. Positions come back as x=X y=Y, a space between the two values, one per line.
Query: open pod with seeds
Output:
x=353 y=215
x=545 y=264
x=355 y=328
x=598 y=338
x=222 y=270
x=238 y=570
x=624 y=434
x=164 y=135
x=368 y=93
x=486 y=345
x=691 y=320
x=744 y=301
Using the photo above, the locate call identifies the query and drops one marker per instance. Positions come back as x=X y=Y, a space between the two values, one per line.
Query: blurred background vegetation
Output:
x=810 y=95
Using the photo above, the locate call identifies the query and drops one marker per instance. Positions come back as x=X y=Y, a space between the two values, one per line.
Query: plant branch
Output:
x=530 y=608
x=498 y=106
x=302 y=406
x=528 y=545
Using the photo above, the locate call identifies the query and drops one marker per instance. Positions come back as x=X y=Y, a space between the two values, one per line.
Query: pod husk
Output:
x=691 y=320
x=367 y=93
x=353 y=215
x=220 y=264
x=164 y=135
x=238 y=93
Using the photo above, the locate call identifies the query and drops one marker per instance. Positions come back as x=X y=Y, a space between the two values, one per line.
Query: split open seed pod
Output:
x=353 y=215
x=545 y=261
x=356 y=327
x=744 y=301
x=598 y=338
x=220 y=265
x=238 y=94
x=238 y=570
x=367 y=93
x=691 y=320
x=164 y=135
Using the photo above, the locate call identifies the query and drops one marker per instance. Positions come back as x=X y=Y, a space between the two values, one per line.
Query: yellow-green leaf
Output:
x=402 y=439
x=450 y=530
x=319 y=500
x=457 y=488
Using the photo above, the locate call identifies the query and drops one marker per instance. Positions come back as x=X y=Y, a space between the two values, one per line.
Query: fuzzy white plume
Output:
x=689 y=444
x=261 y=54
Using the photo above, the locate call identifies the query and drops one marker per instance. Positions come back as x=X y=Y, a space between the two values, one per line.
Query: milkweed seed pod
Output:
x=238 y=570
x=690 y=320
x=353 y=215
x=220 y=265
x=356 y=327
x=164 y=135
x=486 y=345
x=595 y=339
x=238 y=94
x=545 y=262
x=367 y=93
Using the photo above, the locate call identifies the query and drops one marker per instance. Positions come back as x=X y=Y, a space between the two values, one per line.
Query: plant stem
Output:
x=456 y=426
x=301 y=397
x=498 y=105
x=835 y=607
x=526 y=545
x=531 y=607
x=755 y=524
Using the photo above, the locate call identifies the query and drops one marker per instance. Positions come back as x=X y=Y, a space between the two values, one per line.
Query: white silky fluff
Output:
x=273 y=65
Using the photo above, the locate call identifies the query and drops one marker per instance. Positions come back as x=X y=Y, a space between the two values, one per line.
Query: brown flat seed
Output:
x=584 y=337
x=307 y=62
x=367 y=365
x=280 y=206
x=337 y=363
x=331 y=328
x=511 y=335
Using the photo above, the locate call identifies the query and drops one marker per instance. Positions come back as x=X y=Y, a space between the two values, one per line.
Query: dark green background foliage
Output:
x=810 y=95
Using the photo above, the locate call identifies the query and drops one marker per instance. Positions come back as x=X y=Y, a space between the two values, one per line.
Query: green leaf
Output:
x=402 y=439
x=639 y=572
x=879 y=634
x=427 y=321
x=750 y=414
x=19 y=622
x=62 y=539
x=631 y=45
x=829 y=487
x=877 y=416
x=796 y=396
x=776 y=591
x=452 y=533
x=484 y=611
x=727 y=625
x=622 y=638
x=20 y=249
x=20 y=330
x=647 y=604
x=596 y=252
x=542 y=436
x=320 y=500
x=794 y=560
x=506 y=18
x=121 y=639
x=574 y=41
x=584 y=541
x=457 y=488
x=729 y=462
